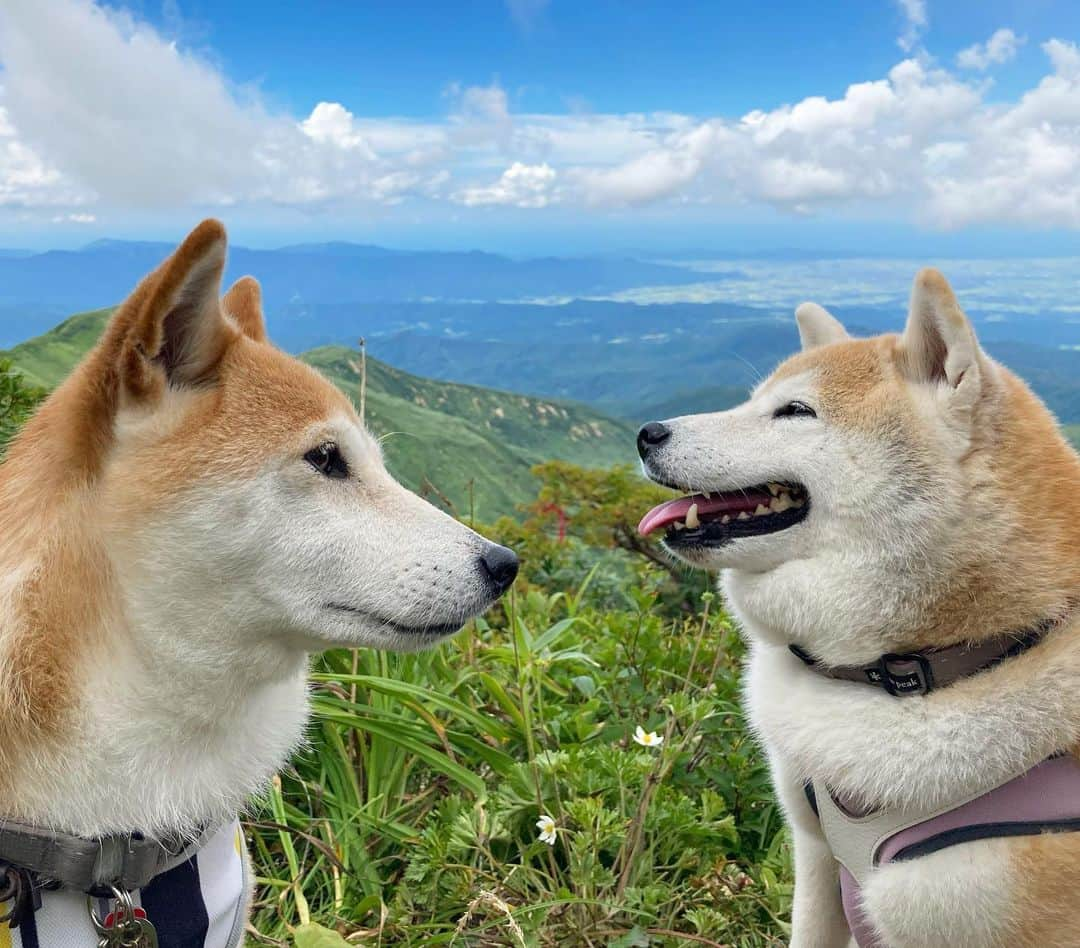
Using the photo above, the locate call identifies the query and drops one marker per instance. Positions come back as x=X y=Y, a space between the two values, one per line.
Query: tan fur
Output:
x=243 y=303
x=1022 y=569
x=1033 y=567
x=231 y=429
x=1045 y=913
x=62 y=481
x=943 y=491
x=172 y=551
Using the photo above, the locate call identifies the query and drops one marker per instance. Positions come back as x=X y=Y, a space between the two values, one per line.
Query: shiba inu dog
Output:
x=892 y=522
x=185 y=519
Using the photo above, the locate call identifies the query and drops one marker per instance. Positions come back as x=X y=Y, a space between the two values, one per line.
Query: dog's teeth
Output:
x=725 y=519
x=692 y=521
x=775 y=489
x=679 y=525
x=761 y=509
x=781 y=503
x=743 y=515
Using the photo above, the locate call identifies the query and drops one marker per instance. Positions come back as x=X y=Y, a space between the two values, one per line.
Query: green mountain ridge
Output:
x=464 y=444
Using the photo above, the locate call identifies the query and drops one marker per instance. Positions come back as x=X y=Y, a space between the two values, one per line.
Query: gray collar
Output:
x=918 y=673
x=126 y=861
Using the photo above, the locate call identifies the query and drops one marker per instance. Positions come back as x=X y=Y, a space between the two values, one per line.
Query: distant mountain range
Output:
x=477 y=318
x=104 y=272
x=467 y=445
x=641 y=361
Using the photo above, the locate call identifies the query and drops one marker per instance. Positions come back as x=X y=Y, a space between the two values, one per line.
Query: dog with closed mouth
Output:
x=892 y=522
x=186 y=519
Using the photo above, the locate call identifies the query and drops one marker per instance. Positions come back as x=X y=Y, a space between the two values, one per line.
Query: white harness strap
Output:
x=855 y=840
x=206 y=896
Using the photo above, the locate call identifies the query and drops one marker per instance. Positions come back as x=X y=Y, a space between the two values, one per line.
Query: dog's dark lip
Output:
x=712 y=534
x=425 y=631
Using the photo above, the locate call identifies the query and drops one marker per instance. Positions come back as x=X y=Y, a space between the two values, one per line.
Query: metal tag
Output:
x=126 y=926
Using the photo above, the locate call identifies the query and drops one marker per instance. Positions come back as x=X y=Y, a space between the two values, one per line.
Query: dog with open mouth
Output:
x=892 y=522
x=184 y=521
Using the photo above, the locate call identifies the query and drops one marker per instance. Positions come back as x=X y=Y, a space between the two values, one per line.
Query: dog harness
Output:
x=1041 y=799
x=194 y=897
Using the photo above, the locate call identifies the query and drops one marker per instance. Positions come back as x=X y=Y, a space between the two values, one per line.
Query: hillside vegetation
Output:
x=415 y=817
x=465 y=447
x=571 y=770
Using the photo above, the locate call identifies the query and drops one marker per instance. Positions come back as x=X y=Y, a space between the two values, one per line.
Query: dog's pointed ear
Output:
x=177 y=332
x=243 y=303
x=817 y=326
x=939 y=345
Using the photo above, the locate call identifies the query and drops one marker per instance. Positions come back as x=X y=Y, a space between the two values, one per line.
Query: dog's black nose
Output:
x=501 y=566
x=651 y=435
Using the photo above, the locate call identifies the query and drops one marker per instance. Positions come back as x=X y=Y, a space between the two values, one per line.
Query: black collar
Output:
x=919 y=673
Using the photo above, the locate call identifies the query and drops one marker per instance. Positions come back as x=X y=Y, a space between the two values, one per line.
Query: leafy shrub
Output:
x=412 y=817
x=18 y=400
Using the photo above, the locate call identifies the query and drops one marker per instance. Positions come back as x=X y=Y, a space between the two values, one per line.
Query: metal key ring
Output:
x=123 y=913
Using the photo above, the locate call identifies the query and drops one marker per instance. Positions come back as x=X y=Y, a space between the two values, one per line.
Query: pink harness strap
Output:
x=1046 y=799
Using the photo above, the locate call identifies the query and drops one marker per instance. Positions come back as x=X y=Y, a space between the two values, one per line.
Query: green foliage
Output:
x=313 y=935
x=18 y=399
x=471 y=446
x=411 y=819
x=585 y=517
x=465 y=448
x=46 y=360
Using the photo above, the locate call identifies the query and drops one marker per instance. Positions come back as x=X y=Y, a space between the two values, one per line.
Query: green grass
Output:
x=46 y=359
x=461 y=446
x=448 y=435
x=410 y=818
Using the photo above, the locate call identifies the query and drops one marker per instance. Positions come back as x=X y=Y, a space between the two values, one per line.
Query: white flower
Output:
x=647 y=738
x=546 y=825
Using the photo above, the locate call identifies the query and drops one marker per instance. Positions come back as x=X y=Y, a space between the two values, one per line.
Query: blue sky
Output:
x=697 y=57
x=546 y=125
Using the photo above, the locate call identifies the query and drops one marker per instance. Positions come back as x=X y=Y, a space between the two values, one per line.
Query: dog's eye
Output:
x=327 y=459
x=795 y=410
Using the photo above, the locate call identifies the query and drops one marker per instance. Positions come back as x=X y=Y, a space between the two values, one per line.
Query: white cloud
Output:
x=99 y=112
x=1000 y=48
x=112 y=106
x=915 y=22
x=330 y=123
x=25 y=179
x=1064 y=57
x=519 y=185
x=817 y=152
x=481 y=103
x=1021 y=163
x=649 y=177
x=120 y=115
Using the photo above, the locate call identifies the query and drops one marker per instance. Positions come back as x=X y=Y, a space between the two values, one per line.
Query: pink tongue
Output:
x=675 y=510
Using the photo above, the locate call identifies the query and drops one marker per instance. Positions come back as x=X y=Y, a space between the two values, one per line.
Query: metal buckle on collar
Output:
x=902 y=675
